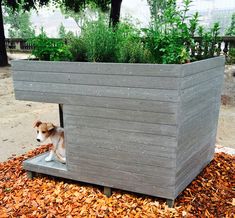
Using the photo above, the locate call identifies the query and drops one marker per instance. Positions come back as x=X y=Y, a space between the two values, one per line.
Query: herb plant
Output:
x=49 y=49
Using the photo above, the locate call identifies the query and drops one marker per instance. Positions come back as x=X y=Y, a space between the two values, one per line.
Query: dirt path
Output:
x=17 y=117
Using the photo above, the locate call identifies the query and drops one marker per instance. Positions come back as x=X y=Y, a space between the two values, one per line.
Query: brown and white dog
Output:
x=56 y=135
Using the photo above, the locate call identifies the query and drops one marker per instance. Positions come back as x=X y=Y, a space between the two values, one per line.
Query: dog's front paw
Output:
x=47 y=159
x=63 y=160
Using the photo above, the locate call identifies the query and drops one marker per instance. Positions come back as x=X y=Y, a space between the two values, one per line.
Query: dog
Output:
x=56 y=135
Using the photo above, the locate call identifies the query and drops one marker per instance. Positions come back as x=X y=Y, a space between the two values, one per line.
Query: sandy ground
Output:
x=17 y=117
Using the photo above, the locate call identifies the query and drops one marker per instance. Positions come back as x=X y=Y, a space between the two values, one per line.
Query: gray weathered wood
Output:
x=157 y=70
x=117 y=114
x=127 y=126
x=103 y=91
x=119 y=135
x=121 y=145
x=144 y=128
x=97 y=101
x=99 y=80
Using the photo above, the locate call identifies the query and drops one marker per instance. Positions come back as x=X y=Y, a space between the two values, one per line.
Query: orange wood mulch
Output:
x=211 y=194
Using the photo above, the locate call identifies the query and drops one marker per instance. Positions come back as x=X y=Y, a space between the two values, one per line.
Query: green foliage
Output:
x=170 y=38
x=49 y=49
x=62 y=31
x=170 y=41
x=209 y=40
x=231 y=30
x=231 y=56
x=77 y=48
x=81 y=17
x=19 y=22
x=156 y=9
x=129 y=45
x=99 y=41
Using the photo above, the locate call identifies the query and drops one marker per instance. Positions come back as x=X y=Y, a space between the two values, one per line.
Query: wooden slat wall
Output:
x=140 y=127
x=120 y=120
x=198 y=117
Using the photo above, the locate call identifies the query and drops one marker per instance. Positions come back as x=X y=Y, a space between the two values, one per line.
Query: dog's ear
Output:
x=37 y=123
x=50 y=126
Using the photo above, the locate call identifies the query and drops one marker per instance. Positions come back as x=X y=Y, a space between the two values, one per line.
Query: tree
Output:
x=104 y=5
x=81 y=17
x=19 y=21
x=3 y=52
x=231 y=30
x=15 y=5
x=75 y=5
x=156 y=9
x=62 y=31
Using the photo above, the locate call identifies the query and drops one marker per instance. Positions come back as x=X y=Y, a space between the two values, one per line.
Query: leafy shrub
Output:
x=99 y=41
x=207 y=47
x=76 y=47
x=231 y=30
x=231 y=56
x=170 y=39
x=49 y=49
x=129 y=45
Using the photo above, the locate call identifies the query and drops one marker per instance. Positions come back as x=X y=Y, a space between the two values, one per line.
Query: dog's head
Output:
x=44 y=130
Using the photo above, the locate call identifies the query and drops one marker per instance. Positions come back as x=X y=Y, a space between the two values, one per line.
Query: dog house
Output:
x=145 y=128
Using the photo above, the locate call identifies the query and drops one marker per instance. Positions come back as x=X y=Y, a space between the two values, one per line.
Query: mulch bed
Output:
x=211 y=194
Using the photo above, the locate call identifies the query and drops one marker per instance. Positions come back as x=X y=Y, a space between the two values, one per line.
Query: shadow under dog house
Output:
x=145 y=128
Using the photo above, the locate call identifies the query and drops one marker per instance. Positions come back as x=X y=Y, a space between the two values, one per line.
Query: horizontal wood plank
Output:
x=127 y=126
x=103 y=91
x=128 y=115
x=96 y=101
x=75 y=152
x=195 y=79
x=119 y=135
x=203 y=65
x=118 y=174
x=120 y=145
x=99 y=80
x=164 y=70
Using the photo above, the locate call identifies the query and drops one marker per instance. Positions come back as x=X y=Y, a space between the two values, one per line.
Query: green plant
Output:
x=77 y=48
x=49 y=49
x=208 y=45
x=171 y=37
x=169 y=40
x=231 y=30
x=19 y=23
x=231 y=56
x=129 y=45
x=99 y=41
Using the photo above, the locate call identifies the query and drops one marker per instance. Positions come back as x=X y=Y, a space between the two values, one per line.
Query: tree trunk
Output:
x=3 y=52
x=115 y=12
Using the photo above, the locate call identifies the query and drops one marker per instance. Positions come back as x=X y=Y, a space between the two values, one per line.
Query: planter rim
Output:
x=114 y=63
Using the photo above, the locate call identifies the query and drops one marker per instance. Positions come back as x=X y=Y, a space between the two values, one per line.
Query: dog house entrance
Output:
x=39 y=165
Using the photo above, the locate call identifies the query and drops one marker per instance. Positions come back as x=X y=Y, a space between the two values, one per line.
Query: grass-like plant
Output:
x=99 y=41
